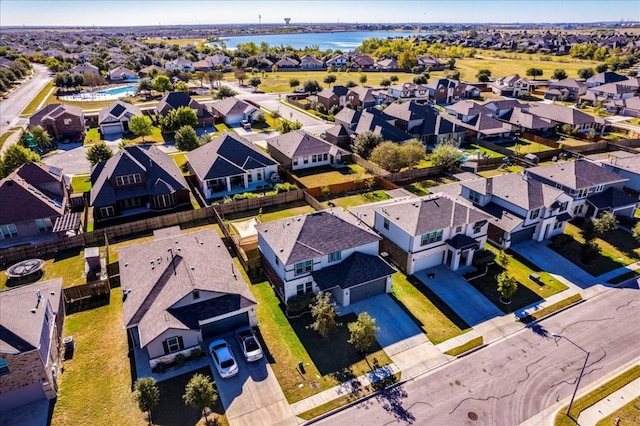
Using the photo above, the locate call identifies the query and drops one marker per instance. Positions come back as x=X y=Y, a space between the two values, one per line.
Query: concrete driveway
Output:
x=402 y=340
x=253 y=396
x=461 y=296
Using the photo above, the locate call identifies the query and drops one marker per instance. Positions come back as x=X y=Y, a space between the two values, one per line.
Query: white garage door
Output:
x=428 y=261
x=111 y=129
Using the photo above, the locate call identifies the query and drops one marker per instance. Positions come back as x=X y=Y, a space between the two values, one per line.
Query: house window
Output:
x=336 y=255
x=304 y=267
x=431 y=237
x=8 y=231
x=305 y=160
x=128 y=179
x=474 y=196
x=599 y=188
x=196 y=294
x=534 y=214
x=164 y=200
x=4 y=368
x=295 y=161
x=44 y=225
x=385 y=223
x=67 y=122
x=107 y=211
x=477 y=228
x=173 y=344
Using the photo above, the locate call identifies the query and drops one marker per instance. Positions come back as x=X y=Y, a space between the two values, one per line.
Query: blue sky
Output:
x=168 y=12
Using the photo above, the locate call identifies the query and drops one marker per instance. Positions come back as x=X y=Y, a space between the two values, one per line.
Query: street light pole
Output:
x=558 y=336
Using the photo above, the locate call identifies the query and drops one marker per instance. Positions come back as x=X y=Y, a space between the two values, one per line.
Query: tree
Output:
x=484 y=75
x=311 y=86
x=534 y=72
x=363 y=79
x=585 y=73
x=176 y=118
x=363 y=332
x=387 y=155
x=559 y=74
x=41 y=136
x=507 y=285
x=14 y=157
x=293 y=83
x=200 y=393
x=162 y=84
x=446 y=154
x=413 y=152
x=330 y=79
x=324 y=315
x=140 y=125
x=255 y=82
x=99 y=152
x=186 y=139
x=147 y=395
x=225 y=92
x=365 y=142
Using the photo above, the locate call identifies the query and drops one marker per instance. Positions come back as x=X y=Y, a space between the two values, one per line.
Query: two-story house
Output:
x=420 y=233
x=301 y=150
x=137 y=181
x=31 y=324
x=61 y=121
x=593 y=188
x=231 y=164
x=522 y=208
x=330 y=251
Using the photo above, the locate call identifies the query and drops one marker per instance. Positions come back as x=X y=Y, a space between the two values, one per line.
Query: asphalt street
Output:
x=514 y=379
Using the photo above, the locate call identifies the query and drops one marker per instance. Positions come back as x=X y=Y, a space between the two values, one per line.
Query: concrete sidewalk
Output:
x=609 y=404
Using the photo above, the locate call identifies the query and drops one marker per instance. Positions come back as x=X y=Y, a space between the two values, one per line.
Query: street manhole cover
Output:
x=472 y=416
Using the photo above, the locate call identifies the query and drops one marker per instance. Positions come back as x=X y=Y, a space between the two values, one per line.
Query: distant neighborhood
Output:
x=180 y=209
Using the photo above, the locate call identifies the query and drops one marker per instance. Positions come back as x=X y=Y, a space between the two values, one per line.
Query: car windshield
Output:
x=227 y=363
x=250 y=344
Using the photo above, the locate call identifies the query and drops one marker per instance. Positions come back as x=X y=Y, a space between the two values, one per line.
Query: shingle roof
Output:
x=577 y=174
x=154 y=283
x=359 y=268
x=300 y=143
x=227 y=155
x=20 y=326
x=313 y=235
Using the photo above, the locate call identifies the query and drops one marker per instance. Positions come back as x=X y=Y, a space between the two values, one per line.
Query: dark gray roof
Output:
x=359 y=268
x=577 y=174
x=20 y=326
x=227 y=155
x=300 y=143
x=612 y=198
x=314 y=235
x=154 y=283
x=159 y=168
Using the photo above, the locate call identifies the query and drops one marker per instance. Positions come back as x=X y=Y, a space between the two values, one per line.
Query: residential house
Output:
x=330 y=251
x=335 y=96
x=298 y=150
x=31 y=324
x=564 y=115
x=231 y=164
x=420 y=233
x=233 y=111
x=113 y=120
x=568 y=89
x=137 y=181
x=310 y=62
x=593 y=188
x=39 y=199
x=121 y=73
x=521 y=207
x=180 y=290
x=604 y=78
x=180 y=64
x=63 y=122
x=175 y=100
x=511 y=85
x=85 y=68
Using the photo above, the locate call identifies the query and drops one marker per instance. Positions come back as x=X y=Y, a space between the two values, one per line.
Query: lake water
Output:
x=344 y=41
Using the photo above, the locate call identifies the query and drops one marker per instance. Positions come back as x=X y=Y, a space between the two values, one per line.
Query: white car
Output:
x=249 y=344
x=223 y=358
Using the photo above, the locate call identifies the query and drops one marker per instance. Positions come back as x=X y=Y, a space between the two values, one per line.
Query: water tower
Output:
x=287 y=20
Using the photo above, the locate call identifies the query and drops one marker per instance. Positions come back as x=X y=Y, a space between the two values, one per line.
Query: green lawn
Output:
x=67 y=264
x=35 y=102
x=358 y=199
x=629 y=414
x=95 y=386
x=288 y=341
x=81 y=183
x=327 y=175
x=562 y=419
x=434 y=317
x=618 y=248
